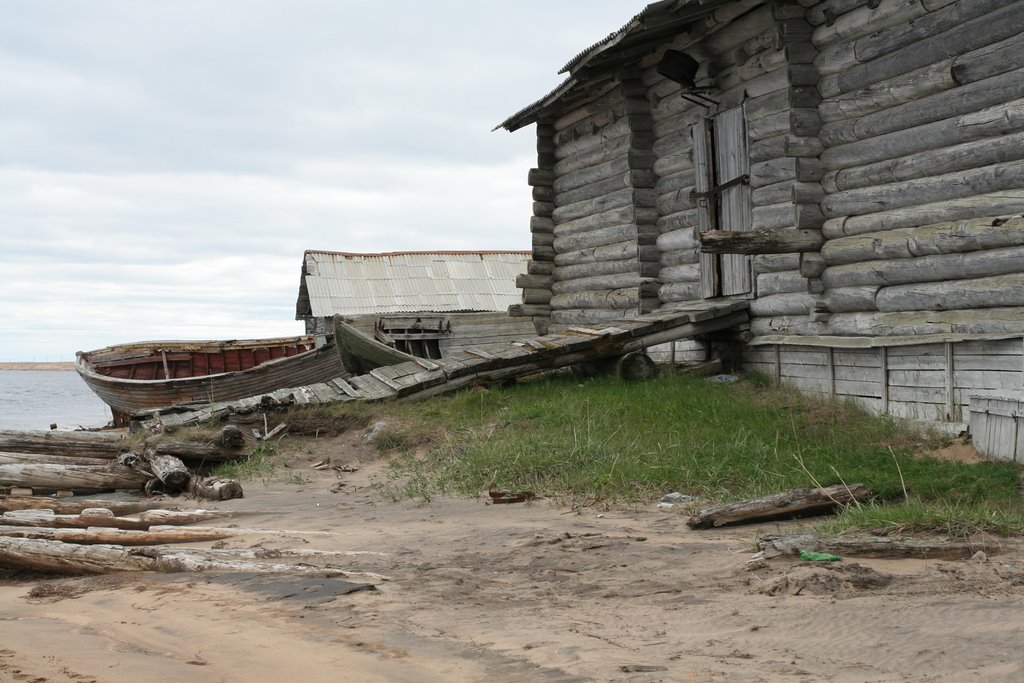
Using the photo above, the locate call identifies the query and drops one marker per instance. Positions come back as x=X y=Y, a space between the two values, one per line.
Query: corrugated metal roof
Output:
x=650 y=25
x=343 y=283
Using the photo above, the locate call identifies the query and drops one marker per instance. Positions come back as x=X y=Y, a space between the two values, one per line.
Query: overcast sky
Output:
x=163 y=165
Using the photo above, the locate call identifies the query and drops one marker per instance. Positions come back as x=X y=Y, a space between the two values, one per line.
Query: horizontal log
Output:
x=598 y=221
x=614 y=251
x=540 y=177
x=540 y=267
x=153 y=536
x=793 y=303
x=1000 y=291
x=942 y=238
x=675 y=162
x=684 y=238
x=781 y=282
x=1001 y=119
x=774 y=263
x=964 y=37
x=525 y=280
x=789 y=168
x=62 y=506
x=597 y=282
x=678 y=257
x=612 y=167
x=593 y=205
x=926 y=268
x=977 y=321
x=771 y=217
x=44 y=459
x=592 y=157
x=71 y=477
x=536 y=295
x=923 y=82
x=851 y=299
x=613 y=299
x=760 y=241
x=684 y=272
x=595 y=238
x=102 y=517
x=786 y=145
x=679 y=291
x=59 y=442
x=1004 y=203
x=56 y=557
x=599 y=139
x=581 y=270
x=529 y=310
x=882 y=547
x=596 y=189
x=780 y=505
x=684 y=220
x=961 y=157
x=968 y=183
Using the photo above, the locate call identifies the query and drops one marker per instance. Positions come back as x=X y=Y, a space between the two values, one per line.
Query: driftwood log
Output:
x=82 y=444
x=213 y=488
x=102 y=517
x=71 y=477
x=91 y=535
x=195 y=452
x=804 y=501
x=883 y=547
x=55 y=557
x=65 y=507
x=7 y=458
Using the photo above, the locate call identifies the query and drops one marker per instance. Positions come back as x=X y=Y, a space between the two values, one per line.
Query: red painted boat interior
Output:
x=161 y=365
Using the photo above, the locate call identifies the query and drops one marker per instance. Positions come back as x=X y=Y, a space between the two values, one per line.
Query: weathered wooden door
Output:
x=721 y=159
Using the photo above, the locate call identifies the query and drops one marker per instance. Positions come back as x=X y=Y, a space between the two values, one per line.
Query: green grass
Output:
x=258 y=465
x=604 y=440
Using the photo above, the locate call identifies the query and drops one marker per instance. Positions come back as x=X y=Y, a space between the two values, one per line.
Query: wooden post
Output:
x=883 y=357
x=950 y=381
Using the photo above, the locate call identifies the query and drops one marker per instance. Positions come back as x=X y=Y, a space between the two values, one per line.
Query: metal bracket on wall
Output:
x=718 y=189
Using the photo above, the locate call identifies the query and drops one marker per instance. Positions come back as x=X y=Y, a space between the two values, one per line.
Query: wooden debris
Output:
x=231 y=437
x=7 y=458
x=55 y=557
x=195 y=452
x=213 y=488
x=882 y=546
x=90 y=535
x=60 y=443
x=636 y=366
x=60 y=507
x=804 y=501
x=71 y=477
x=171 y=471
x=102 y=517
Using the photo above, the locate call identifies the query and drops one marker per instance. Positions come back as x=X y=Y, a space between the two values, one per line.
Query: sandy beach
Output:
x=480 y=592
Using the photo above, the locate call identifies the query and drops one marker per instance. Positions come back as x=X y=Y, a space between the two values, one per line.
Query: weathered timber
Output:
x=933 y=188
x=851 y=299
x=231 y=437
x=47 y=458
x=984 y=292
x=624 y=232
x=595 y=268
x=65 y=507
x=636 y=366
x=71 y=477
x=593 y=205
x=678 y=257
x=793 y=303
x=57 y=442
x=93 y=535
x=884 y=547
x=928 y=80
x=775 y=263
x=1003 y=203
x=760 y=241
x=195 y=451
x=592 y=157
x=976 y=111
x=806 y=501
x=171 y=471
x=612 y=299
x=942 y=238
x=679 y=291
x=103 y=517
x=214 y=488
x=594 y=282
x=781 y=282
x=864 y=19
x=55 y=557
x=933 y=268
x=976 y=321
x=961 y=157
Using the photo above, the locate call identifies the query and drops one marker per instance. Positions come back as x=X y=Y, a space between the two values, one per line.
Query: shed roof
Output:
x=344 y=283
x=638 y=36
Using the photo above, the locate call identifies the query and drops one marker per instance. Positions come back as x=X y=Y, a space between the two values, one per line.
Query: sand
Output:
x=535 y=592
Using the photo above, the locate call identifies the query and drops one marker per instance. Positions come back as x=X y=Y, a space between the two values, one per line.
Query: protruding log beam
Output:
x=782 y=241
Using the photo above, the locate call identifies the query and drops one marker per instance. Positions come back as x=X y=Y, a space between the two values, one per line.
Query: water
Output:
x=33 y=399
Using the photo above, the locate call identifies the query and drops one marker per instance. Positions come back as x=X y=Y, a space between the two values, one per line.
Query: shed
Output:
x=853 y=168
x=423 y=301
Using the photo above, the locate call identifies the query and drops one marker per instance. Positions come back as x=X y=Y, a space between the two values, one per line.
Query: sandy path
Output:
x=516 y=592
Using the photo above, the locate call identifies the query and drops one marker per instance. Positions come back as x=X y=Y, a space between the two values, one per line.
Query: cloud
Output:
x=165 y=165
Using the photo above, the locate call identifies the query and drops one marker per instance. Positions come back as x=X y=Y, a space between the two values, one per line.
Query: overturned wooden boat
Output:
x=151 y=375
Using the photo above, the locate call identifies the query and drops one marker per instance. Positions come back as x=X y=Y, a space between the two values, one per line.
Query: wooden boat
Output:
x=147 y=375
x=369 y=342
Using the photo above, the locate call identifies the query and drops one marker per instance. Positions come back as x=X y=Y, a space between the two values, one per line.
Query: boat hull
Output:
x=131 y=378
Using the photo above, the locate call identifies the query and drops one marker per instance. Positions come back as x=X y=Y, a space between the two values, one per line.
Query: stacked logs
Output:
x=83 y=462
x=923 y=105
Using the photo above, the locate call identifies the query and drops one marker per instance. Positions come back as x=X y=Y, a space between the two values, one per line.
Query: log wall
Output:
x=758 y=55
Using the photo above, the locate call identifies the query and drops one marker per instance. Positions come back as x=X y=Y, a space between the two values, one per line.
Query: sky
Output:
x=164 y=165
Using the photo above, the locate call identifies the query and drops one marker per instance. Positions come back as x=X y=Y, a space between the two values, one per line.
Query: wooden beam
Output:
x=781 y=241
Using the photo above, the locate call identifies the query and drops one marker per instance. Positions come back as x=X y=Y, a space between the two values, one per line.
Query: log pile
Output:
x=88 y=462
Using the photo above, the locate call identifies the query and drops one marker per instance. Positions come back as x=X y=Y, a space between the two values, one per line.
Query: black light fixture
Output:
x=680 y=67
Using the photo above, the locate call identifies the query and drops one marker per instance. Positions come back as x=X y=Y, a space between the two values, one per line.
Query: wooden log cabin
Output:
x=853 y=168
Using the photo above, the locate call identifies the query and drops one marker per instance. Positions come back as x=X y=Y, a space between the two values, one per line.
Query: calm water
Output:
x=33 y=399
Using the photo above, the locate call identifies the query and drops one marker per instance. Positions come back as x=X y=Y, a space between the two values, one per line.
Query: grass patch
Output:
x=258 y=465
x=604 y=440
x=951 y=518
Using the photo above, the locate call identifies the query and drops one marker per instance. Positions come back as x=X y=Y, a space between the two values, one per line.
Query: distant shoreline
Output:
x=37 y=366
